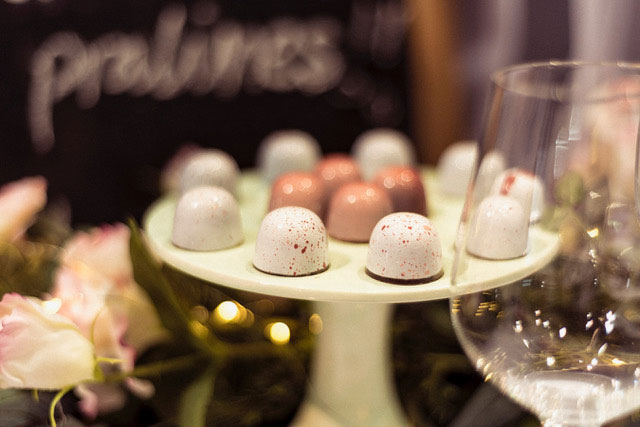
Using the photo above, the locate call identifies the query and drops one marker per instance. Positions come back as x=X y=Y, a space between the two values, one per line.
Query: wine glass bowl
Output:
x=565 y=341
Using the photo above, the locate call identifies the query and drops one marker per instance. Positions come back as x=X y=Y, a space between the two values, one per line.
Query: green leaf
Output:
x=27 y=268
x=196 y=399
x=148 y=274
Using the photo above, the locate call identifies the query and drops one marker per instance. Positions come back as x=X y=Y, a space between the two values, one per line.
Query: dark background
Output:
x=106 y=159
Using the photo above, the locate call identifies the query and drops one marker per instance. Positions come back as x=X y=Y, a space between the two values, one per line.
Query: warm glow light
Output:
x=602 y=349
x=198 y=329
x=226 y=312
x=551 y=361
x=52 y=306
x=593 y=233
x=315 y=324
x=279 y=333
x=617 y=362
x=518 y=326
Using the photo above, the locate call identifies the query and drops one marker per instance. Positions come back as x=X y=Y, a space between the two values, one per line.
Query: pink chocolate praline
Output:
x=336 y=170
x=301 y=189
x=355 y=209
x=404 y=186
x=292 y=241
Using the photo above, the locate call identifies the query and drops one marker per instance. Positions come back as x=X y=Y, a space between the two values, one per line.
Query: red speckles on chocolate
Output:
x=404 y=246
x=507 y=183
x=290 y=246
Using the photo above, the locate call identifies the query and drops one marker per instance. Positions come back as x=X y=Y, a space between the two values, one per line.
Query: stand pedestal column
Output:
x=351 y=378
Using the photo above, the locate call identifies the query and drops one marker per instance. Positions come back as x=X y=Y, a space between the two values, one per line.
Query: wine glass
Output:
x=555 y=176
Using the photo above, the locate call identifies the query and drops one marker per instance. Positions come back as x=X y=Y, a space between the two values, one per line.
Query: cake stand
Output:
x=351 y=381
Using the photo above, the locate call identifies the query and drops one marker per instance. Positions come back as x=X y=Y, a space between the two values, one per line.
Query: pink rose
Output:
x=19 y=202
x=86 y=298
x=98 y=292
x=39 y=348
x=97 y=398
x=104 y=250
x=92 y=302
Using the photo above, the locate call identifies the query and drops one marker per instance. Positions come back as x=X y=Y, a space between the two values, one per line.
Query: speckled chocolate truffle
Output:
x=302 y=189
x=355 y=209
x=207 y=219
x=404 y=187
x=292 y=241
x=404 y=247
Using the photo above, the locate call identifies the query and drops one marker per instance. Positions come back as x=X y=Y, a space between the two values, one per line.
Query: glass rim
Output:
x=499 y=78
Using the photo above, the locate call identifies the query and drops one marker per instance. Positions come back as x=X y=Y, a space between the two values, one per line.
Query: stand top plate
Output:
x=345 y=279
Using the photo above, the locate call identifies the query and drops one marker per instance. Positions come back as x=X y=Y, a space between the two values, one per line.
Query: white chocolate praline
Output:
x=207 y=219
x=172 y=171
x=378 y=148
x=292 y=241
x=287 y=151
x=499 y=229
x=491 y=166
x=523 y=186
x=405 y=247
x=455 y=167
x=210 y=167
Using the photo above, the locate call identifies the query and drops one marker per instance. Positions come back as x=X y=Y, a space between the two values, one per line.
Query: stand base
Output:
x=351 y=378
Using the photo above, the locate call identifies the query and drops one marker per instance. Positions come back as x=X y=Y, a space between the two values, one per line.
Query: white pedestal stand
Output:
x=351 y=380
x=351 y=377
